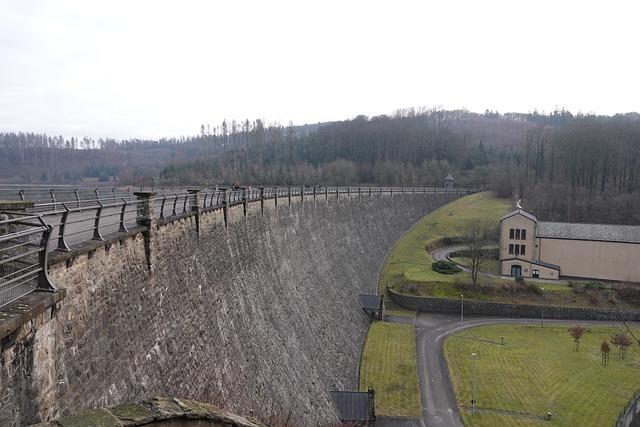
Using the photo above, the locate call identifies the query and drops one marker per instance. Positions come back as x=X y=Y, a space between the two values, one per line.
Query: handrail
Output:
x=23 y=256
x=77 y=220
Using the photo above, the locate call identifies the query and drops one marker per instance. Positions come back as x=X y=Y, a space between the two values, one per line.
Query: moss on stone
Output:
x=94 y=418
x=133 y=412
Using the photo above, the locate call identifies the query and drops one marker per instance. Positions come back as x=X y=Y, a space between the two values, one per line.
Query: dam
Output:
x=250 y=305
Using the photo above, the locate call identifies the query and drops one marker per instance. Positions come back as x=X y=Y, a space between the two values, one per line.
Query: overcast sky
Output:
x=156 y=68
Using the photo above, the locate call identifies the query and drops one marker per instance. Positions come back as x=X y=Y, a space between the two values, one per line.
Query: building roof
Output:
x=353 y=405
x=597 y=232
x=521 y=212
x=370 y=302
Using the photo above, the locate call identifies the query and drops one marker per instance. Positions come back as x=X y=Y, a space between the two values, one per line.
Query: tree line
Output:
x=565 y=167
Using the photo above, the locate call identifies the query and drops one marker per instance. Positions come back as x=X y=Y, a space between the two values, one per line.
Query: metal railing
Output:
x=59 y=225
x=627 y=416
x=23 y=256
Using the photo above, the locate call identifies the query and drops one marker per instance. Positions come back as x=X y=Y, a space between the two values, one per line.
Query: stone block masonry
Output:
x=260 y=317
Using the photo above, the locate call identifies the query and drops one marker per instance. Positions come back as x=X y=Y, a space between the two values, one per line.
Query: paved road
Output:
x=439 y=405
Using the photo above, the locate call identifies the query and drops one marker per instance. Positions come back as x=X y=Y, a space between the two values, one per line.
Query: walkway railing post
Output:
x=302 y=194
x=122 y=227
x=96 y=225
x=62 y=244
x=164 y=199
x=44 y=284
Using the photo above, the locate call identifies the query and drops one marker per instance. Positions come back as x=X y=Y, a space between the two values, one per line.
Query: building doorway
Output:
x=516 y=271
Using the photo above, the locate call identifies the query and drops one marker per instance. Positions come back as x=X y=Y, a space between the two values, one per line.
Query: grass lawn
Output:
x=537 y=371
x=389 y=366
x=409 y=259
x=489 y=265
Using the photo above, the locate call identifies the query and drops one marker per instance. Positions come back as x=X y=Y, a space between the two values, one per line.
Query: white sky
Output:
x=160 y=68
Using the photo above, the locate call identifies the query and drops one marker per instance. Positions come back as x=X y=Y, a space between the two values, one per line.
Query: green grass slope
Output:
x=409 y=258
x=389 y=366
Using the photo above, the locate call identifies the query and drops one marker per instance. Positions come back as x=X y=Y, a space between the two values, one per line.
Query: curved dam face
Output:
x=260 y=317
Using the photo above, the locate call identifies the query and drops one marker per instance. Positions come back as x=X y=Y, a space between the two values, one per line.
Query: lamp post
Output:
x=462 y=310
x=542 y=312
x=474 y=402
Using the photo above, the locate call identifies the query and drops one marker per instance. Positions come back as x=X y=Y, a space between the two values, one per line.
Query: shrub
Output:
x=533 y=288
x=629 y=294
x=445 y=267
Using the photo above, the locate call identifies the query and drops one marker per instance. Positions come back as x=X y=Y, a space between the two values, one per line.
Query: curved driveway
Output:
x=439 y=405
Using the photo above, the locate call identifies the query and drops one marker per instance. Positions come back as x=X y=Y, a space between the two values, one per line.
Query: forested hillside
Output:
x=564 y=166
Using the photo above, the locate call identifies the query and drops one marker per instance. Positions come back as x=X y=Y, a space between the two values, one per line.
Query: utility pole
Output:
x=474 y=402
x=462 y=310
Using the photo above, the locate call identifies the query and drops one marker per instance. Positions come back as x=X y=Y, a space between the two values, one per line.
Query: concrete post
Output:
x=146 y=218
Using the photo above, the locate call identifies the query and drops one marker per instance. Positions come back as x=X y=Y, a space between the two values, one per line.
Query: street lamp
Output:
x=474 y=402
x=462 y=310
x=542 y=312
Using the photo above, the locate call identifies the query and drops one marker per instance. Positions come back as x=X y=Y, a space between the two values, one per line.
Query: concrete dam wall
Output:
x=260 y=317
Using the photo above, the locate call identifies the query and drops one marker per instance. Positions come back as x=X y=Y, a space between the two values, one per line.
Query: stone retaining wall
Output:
x=448 y=305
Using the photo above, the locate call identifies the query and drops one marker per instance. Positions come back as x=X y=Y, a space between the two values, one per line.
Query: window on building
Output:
x=518 y=234
x=517 y=249
x=510 y=249
x=523 y=234
x=521 y=249
x=511 y=232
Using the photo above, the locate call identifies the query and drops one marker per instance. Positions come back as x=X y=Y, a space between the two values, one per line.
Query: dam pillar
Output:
x=195 y=208
x=262 y=200
x=146 y=218
x=225 y=206
x=244 y=201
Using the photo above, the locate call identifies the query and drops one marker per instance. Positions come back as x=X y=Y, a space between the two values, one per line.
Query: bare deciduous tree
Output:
x=476 y=235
